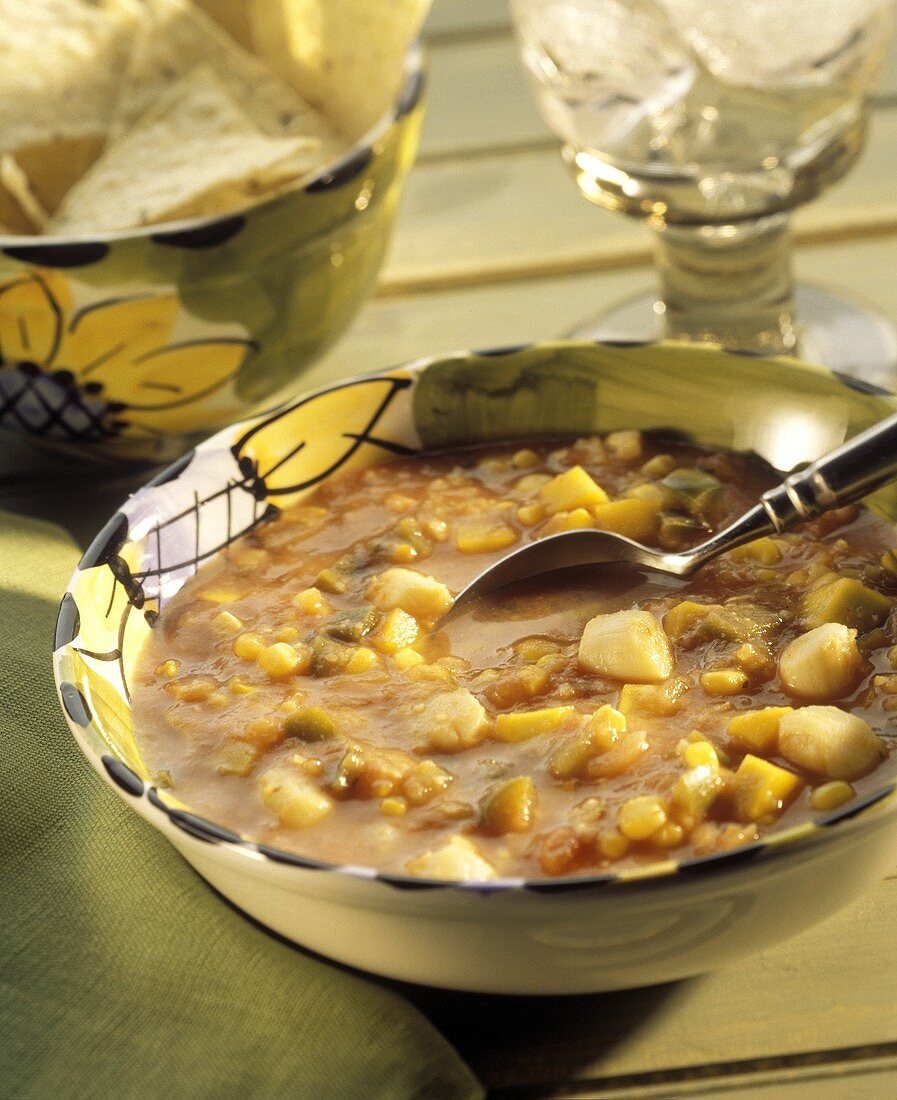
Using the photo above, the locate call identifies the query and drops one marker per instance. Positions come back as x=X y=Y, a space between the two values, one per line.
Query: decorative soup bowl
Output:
x=134 y=344
x=648 y=924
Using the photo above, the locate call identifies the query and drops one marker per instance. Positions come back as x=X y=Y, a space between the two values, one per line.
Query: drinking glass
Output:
x=710 y=120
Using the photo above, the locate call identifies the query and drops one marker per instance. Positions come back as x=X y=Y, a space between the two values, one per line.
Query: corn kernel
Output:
x=659 y=466
x=575 y=520
x=889 y=561
x=399 y=502
x=362 y=660
x=248 y=646
x=228 y=623
x=220 y=594
x=526 y=724
x=168 y=669
x=530 y=514
x=531 y=483
x=725 y=681
x=642 y=816
x=393 y=807
x=239 y=686
x=287 y=634
x=669 y=835
x=611 y=844
x=699 y=753
x=525 y=459
x=236 y=758
x=572 y=489
x=484 y=537
x=282 y=660
x=828 y=796
x=403 y=553
x=406 y=658
x=310 y=601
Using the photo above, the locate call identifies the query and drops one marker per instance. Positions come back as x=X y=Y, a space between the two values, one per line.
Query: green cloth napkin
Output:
x=121 y=973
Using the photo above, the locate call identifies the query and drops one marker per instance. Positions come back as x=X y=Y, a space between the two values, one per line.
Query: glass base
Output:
x=835 y=332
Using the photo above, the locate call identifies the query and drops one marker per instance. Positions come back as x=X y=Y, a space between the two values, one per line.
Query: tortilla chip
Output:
x=20 y=210
x=53 y=167
x=233 y=16
x=346 y=57
x=176 y=39
x=61 y=65
x=194 y=153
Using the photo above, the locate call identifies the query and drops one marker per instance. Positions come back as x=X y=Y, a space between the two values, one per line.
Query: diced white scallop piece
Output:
x=627 y=645
x=421 y=596
x=822 y=665
x=458 y=860
x=452 y=721
x=829 y=741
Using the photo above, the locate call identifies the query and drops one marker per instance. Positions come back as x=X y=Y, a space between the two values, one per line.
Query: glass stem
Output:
x=729 y=284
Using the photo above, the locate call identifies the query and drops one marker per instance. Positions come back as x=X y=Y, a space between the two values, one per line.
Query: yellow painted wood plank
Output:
x=479 y=97
x=486 y=219
x=393 y=330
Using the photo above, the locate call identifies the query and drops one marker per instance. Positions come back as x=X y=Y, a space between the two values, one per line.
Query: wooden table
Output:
x=494 y=246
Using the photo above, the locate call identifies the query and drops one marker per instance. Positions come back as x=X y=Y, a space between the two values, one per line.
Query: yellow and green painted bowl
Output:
x=565 y=935
x=135 y=344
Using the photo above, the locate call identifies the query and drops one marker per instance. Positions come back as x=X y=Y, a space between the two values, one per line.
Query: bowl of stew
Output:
x=586 y=782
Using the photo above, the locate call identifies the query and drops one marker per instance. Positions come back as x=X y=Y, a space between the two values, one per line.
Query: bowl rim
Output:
x=796 y=838
x=407 y=98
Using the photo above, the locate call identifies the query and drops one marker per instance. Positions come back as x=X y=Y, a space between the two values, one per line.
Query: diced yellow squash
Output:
x=517 y=685
x=758 y=730
x=695 y=791
x=701 y=754
x=294 y=798
x=659 y=466
x=362 y=660
x=530 y=723
x=452 y=720
x=575 y=520
x=310 y=601
x=762 y=790
x=652 y=700
x=603 y=730
x=642 y=816
x=628 y=646
x=478 y=536
x=530 y=514
x=636 y=519
x=683 y=617
x=725 y=681
x=822 y=665
x=574 y=488
x=509 y=807
x=397 y=631
x=331 y=580
x=406 y=658
x=421 y=596
x=236 y=758
x=830 y=742
x=765 y=551
x=458 y=861
x=846 y=601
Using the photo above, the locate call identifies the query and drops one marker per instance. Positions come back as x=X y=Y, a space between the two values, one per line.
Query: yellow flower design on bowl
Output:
x=87 y=371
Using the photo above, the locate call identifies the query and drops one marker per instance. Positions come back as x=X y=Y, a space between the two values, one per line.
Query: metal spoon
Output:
x=859 y=466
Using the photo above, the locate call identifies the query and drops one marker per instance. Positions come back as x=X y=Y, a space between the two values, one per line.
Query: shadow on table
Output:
x=534 y=1046
x=78 y=495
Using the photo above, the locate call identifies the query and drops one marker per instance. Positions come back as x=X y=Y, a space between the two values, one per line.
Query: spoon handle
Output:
x=859 y=466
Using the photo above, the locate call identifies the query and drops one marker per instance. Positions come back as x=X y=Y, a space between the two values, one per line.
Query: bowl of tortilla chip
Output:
x=195 y=200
